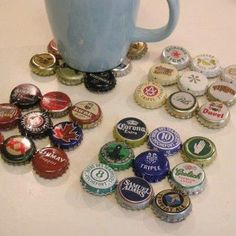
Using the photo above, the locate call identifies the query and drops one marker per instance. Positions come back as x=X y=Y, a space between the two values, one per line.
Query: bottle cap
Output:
x=9 y=116
x=150 y=95
x=165 y=140
x=229 y=74
x=134 y=193
x=188 y=178
x=100 y=82
x=193 y=82
x=98 y=179
x=56 y=104
x=1 y=140
x=52 y=48
x=199 y=150
x=181 y=105
x=177 y=56
x=214 y=115
x=130 y=130
x=25 y=96
x=137 y=50
x=207 y=65
x=66 y=135
x=123 y=69
x=69 y=76
x=35 y=125
x=222 y=91
x=152 y=166
x=172 y=206
x=50 y=162
x=162 y=73
x=43 y=64
x=87 y=114
x=18 y=150
x=117 y=155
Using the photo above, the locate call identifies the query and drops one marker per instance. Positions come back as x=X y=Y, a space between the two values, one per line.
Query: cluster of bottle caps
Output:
x=192 y=75
x=33 y=113
x=151 y=166
x=51 y=62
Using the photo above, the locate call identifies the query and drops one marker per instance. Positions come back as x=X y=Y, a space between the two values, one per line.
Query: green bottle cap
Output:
x=199 y=150
x=69 y=76
x=119 y=156
x=188 y=178
x=98 y=179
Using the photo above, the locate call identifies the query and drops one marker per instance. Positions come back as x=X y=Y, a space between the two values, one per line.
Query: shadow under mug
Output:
x=94 y=35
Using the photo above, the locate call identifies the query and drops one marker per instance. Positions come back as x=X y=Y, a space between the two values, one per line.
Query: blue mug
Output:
x=94 y=35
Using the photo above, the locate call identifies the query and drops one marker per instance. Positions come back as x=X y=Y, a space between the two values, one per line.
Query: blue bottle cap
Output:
x=66 y=135
x=152 y=166
x=134 y=193
x=165 y=140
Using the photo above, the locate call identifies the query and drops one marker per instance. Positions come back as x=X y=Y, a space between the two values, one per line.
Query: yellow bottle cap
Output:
x=150 y=95
x=162 y=73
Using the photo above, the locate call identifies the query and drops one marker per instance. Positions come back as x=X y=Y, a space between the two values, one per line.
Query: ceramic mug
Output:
x=94 y=35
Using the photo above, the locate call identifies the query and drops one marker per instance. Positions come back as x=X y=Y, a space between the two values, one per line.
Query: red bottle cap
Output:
x=87 y=114
x=56 y=103
x=25 y=96
x=9 y=116
x=1 y=140
x=52 y=48
x=50 y=162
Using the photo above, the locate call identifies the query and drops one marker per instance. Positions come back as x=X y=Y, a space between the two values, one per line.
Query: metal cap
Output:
x=117 y=155
x=207 y=65
x=188 y=178
x=193 y=82
x=43 y=64
x=222 y=91
x=98 y=179
x=177 y=56
x=199 y=150
x=214 y=115
x=164 y=74
x=150 y=95
x=182 y=105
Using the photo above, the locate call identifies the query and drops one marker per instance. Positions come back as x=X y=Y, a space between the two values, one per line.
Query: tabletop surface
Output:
x=31 y=205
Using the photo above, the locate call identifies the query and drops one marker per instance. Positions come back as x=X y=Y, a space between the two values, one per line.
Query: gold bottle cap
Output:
x=213 y=115
x=150 y=95
x=162 y=73
x=69 y=76
x=137 y=50
x=181 y=105
x=199 y=150
x=43 y=64
x=131 y=131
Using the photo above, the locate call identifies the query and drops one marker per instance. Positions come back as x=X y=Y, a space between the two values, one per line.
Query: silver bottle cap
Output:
x=172 y=206
x=207 y=65
x=176 y=56
x=182 y=105
x=123 y=69
x=214 y=115
x=188 y=178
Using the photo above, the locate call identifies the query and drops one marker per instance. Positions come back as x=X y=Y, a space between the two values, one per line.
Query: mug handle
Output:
x=154 y=35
